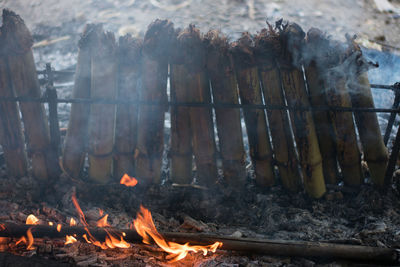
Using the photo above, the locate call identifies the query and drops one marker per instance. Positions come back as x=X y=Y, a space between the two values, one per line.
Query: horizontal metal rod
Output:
x=196 y=104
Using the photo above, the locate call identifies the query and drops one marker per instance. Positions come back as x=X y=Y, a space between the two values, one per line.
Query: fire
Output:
x=144 y=226
x=102 y=222
x=69 y=239
x=51 y=223
x=128 y=181
x=2 y=227
x=31 y=219
x=28 y=240
x=59 y=226
x=72 y=222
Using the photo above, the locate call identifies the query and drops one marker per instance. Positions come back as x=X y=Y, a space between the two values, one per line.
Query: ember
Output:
x=128 y=181
x=31 y=219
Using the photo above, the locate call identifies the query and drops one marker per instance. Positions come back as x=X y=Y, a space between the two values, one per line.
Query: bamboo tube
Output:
x=267 y=46
x=126 y=119
x=102 y=116
x=292 y=37
x=375 y=151
x=250 y=93
x=181 y=139
x=75 y=145
x=334 y=69
x=11 y=138
x=224 y=90
x=150 y=144
x=198 y=87
x=22 y=70
x=323 y=122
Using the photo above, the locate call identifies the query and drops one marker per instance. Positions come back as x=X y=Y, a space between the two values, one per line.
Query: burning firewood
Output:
x=375 y=151
x=102 y=116
x=77 y=134
x=267 y=46
x=11 y=138
x=292 y=37
x=181 y=138
x=17 y=42
x=150 y=143
x=127 y=115
x=256 y=125
x=198 y=90
x=224 y=90
x=322 y=119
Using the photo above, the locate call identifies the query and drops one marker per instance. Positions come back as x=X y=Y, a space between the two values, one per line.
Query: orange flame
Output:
x=69 y=239
x=51 y=223
x=28 y=240
x=113 y=242
x=144 y=226
x=78 y=208
x=31 y=219
x=72 y=222
x=102 y=222
x=59 y=226
x=128 y=180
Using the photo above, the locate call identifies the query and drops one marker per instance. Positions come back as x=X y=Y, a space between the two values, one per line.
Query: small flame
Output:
x=144 y=226
x=2 y=227
x=59 y=226
x=128 y=180
x=113 y=242
x=102 y=222
x=28 y=240
x=51 y=223
x=72 y=222
x=69 y=239
x=31 y=219
x=80 y=212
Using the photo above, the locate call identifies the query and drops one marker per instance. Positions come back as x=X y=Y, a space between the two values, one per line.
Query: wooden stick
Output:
x=224 y=90
x=11 y=138
x=127 y=115
x=76 y=140
x=256 y=125
x=292 y=37
x=150 y=144
x=181 y=134
x=375 y=151
x=102 y=117
x=322 y=250
x=198 y=87
x=18 y=42
x=267 y=46
x=323 y=123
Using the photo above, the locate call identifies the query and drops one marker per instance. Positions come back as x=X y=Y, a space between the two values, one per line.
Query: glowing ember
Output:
x=2 y=227
x=31 y=219
x=59 y=226
x=72 y=222
x=102 y=222
x=128 y=181
x=144 y=226
x=69 y=239
x=51 y=223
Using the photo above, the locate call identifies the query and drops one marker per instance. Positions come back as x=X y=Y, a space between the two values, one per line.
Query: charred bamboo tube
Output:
x=267 y=46
x=198 y=90
x=102 y=116
x=127 y=115
x=224 y=90
x=322 y=119
x=256 y=125
x=150 y=143
x=322 y=250
x=11 y=138
x=76 y=141
x=21 y=66
x=303 y=125
x=181 y=136
x=375 y=151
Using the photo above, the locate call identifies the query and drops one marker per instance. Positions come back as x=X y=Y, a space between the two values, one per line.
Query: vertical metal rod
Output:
x=392 y=115
x=393 y=159
x=51 y=94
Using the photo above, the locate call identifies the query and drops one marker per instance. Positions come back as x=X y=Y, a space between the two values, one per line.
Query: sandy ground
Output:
x=337 y=17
